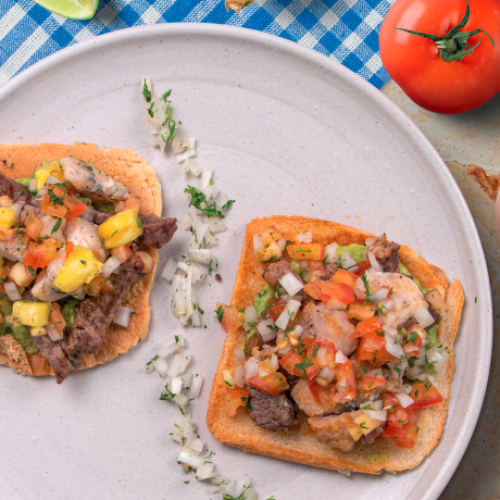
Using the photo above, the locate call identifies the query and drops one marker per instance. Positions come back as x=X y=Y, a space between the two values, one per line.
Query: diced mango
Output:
x=366 y=423
x=354 y=430
x=272 y=252
x=81 y=267
x=229 y=377
x=20 y=276
x=47 y=169
x=7 y=217
x=120 y=229
x=30 y=313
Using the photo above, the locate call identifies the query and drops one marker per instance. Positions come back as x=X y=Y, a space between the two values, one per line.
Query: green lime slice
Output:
x=72 y=9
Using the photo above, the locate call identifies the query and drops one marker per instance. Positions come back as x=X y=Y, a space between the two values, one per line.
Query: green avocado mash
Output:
x=261 y=302
x=354 y=250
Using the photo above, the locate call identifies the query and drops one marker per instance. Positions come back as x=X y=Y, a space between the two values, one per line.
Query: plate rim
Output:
x=395 y=113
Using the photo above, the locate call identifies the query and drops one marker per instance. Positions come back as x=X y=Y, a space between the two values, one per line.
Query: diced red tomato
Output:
x=99 y=285
x=370 y=382
x=360 y=311
x=312 y=371
x=74 y=207
x=372 y=349
x=59 y=203
x=40 y=256
x=404 y=436
x=346 y=277
x=4 y=271
x=397 y=415
x=68 y=248
x=370 y=325
x=276 y=311
x=33 y=225
x=234 y=398
x=313 y=348
x=424 y=394
x=362 y=267
x=56 y=318
x=409 y=347
x=306 y=251
x=122 y=253
x=289 y=361
x=269 y=235
x=231 y=320
x=273 y=384
x=346 y=382
x=326 y=290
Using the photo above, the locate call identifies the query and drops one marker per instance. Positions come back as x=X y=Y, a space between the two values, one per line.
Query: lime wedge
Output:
x=72 y=9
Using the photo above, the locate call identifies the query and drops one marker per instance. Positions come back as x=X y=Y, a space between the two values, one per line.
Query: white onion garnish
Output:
x=206 y=176
x=184 y=156
x=347 y=262
x=196 y=385
x=217 y=226
x=404 y=399
x=53 y=333
x=331 y=256
x=291 y=284
x=393 y=346
x=205 y=470
x=267 y=330
x=17 y=207
x=32 y=185
x=190 y=459
x=178 y=283
x=281 y=243
x=161 y=366
x=12 y=291
x=201 y=256
x=291 y=309
x=377 y=405
x=305 y=237
x=341 y=358
x=374 y=262
x=169 y=269
x=423 y=317
x=250 y=315
x=239 y=376
x=110 y=266
x=122 y=317
x=380 y=415
x=379 y=295
x=327 y=374
x=176 y=385
x=257 y=243
x=251 y=368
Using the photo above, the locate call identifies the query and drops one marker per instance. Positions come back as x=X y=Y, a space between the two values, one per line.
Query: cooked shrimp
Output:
x=82 y=232
x=335 y=327
x=404 y=300
x=332 y=430
x=85 y=177
x=12 y=245
x=304 y=398
x=43 y=289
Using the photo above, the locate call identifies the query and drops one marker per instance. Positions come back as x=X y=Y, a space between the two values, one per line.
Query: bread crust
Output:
x=298 y=444
x=21 y=160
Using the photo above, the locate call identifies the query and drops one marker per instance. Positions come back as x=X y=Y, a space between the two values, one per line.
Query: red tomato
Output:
x=122 y=253
x=404 y=436
x=57 y=319
x=415 y=63
x=68 y=248
x=273 y=384
x=370 y=382
x=313 y=347
x=289 y=361
x=306 y=251
x=370 y=325
x=346 y=382
x=424 y=394
x=40 y=256
x=400 y=416
x=33 y=225
x=233 y=399
x=409 y=347
x=275 y=310
x=73 y=206
x=312 y=371
x=362 y=267
x=346 y=277
x=372 y=349
x=326 y=290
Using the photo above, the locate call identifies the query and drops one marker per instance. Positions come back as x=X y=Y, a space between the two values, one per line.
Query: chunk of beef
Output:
x=55 y=355
x=95 y=314
x=100 y=217
x=291 y=379
x=274 y=413
x=332 y=430
x=330 y=269
x=392 y=264
x=157 y=230
x=384 y=251
x=277 y=270
x=371 y=436
x=13 y=189
x=435 y=315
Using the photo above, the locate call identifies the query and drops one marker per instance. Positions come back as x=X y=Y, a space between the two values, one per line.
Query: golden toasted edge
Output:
x=303 y=447
x=17 y=161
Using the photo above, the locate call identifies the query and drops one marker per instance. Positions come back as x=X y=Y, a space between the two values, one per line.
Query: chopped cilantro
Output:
x=220 y=313
x=146 y=92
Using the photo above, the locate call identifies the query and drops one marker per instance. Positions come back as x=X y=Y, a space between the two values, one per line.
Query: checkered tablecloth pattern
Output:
x=346 y=30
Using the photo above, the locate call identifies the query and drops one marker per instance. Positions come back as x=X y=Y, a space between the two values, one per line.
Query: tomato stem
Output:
x=454 y=46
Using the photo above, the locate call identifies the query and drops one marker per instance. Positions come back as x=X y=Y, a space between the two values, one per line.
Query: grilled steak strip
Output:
x=95 y=314
x=13 y=189
x=55 y=355
x=274 y=413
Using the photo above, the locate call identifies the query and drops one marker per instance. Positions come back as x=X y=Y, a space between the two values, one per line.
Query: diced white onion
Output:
x=195 y=318
x=205 y=470
x=393 y=348
x=217 y=226
x=424 y=317
x=239 y=376
x=53 y=333
x=291 y=309
x=190 y=459
x=201 y=256
x=380 y=415
x=122 y=317
x=438 y=356
x=110 y=266
x=267 y=330
x=169 y=269
x=404 y=399
x=239 y=354
x=251 y=368
x=183 y=266
x=305 y=237
x=178 y=365
x=374 y=262
x=177 y=383
x=195 y=444
x=17 y=207
x=257 y=243
x=335 y=305
x=291 y=284
x=196 y=385
x=187 y=380
x=281 y=243
x=52 y=180
x=377 y=405
x=161 y=366
x=347 y=262
x=327 y=374
x=178 y=283
x=210 y=239
x=341 y=358
x=414 y=372
x=296 y=331
x=32 y=185
x=250 y=315
x=12 y=291
x=184 y=156
x=379 y=295
x=331 y=256
x=179 y=303
x=206 y=175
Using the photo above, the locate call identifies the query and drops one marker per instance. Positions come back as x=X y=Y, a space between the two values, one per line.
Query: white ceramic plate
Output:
x=289 y=132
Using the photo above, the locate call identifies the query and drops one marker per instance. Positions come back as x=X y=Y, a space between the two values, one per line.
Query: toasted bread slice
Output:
x=299 y=444
x=21 y=160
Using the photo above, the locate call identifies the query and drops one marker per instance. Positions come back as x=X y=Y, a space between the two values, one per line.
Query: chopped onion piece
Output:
x=251 y=368
x=281 y=243
x=393 y=346
x=122 y=317
x=341 y=358
x=239 y=354
x=380 y=415
x=196 y=385
x=183 y=266
x=239 y=376
x=206 y=176
x=201 y=256
x=178 y=284
x=377 y=405
x=305 y=237
x=347 y=262
x=176 y=385
x=12 y=291
x=160 y=366
x=267 y=329
x=331 y=256
x=250 y=315
x=291 y=284
x=178 y=365
x=379 y=295
x=374 y=262
x=217 y=226
x=210 y=239
x=327 y=374
x=257 y=243
x=404 y=399
x=110 y=266
x=195 y=318
x=424 y=317
x=190 y=459
x=185 y=155
x=17 y=207
x=179 y=303
x=291 y=309
x=169 y=270
x=196 y=274
x=32 y=185
x=195 y=444
x=53 y=333
x=187 y=380
x=205 y=470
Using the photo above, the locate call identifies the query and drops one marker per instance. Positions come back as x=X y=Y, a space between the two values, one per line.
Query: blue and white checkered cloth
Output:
x=346 y=30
